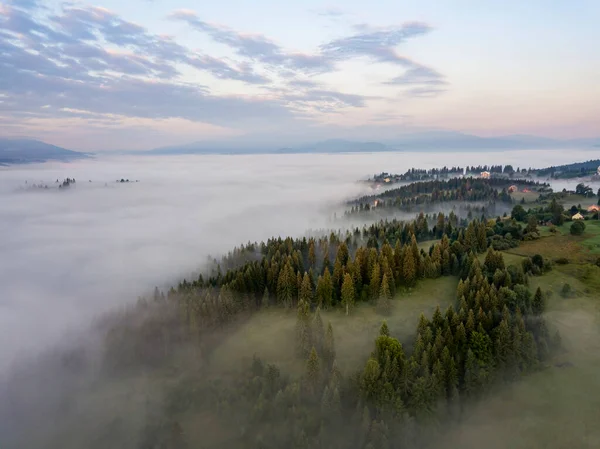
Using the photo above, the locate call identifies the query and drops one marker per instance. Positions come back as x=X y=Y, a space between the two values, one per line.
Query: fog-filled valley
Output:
x=104 y=243
x=76 y=259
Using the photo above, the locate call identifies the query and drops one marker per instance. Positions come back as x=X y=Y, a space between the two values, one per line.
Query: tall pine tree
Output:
x=347 y=293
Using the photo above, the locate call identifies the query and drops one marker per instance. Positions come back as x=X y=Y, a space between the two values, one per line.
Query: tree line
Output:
x=419 y=174
x=455 y=189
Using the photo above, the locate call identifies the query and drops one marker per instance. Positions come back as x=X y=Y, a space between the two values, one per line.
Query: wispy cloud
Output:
x=421 y=81
x=87 y=61
x=424 y=92
x=376 y=43
x=419 y=75
x=256 y=47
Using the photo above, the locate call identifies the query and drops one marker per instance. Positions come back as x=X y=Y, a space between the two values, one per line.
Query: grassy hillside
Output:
x=557 y=407
x=577 y=249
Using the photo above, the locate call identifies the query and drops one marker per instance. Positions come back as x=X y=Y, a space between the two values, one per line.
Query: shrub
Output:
x=577 y=227
x=527 y=265
x=538 y=260
x=562 y=261
x=518 y=213
x=566 y=291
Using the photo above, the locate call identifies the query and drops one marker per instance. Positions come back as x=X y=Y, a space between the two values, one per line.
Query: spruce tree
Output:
x=414 y=249
x=318 y=332
x=409 y=270
x=538 y=304
x=312 y=257
x=303 y=337
x=306 y=293
x=384 y=330
x=347 y=294
x=335 y=376
x=329 y=346
x=326 y=262
x=384 y=303
x=337 y=279
x=471 y=380
x=313 y=372
x=286 y=285
x=375 y=282
x=398 y=260
x=324 y=290
x=503 y=345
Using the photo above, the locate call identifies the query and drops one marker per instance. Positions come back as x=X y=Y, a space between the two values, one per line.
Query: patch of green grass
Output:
x=427 y=244
x=561 y=245
x=575 y=200
x=592 y=236
x=271 y=333
x=545 y=231
x=530 y=197
x=587 y=274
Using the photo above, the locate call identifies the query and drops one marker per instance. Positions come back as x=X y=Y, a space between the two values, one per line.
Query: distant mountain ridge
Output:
x=22 y=151
x=15 y=151
x=430 y=141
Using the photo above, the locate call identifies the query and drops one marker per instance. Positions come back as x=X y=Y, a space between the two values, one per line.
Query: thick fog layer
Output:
x=70 y=254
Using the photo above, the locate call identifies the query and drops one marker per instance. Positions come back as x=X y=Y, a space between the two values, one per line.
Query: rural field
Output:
x=577 y=249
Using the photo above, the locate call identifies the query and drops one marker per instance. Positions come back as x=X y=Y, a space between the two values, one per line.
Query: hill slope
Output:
x=20 y=151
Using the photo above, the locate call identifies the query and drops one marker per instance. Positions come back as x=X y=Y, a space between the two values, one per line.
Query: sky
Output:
x=140 y=74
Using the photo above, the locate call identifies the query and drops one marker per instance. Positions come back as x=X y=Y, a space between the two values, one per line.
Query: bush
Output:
x=527 y=265
x=577 y=227
x=566 y=291
x=538 y=260
x=500 y=243
x=562 y=261
x=518 y=213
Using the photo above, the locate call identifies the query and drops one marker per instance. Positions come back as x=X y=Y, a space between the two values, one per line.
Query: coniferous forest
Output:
x=401 y=396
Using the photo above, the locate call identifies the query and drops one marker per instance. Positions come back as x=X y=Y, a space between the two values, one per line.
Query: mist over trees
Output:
x=493 y=334
x=405 y=394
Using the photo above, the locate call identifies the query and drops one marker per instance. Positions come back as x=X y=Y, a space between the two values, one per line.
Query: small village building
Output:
x=593 y=208
x=485 y=174
x=386 y=180
x=513 y=189
x=577 y=216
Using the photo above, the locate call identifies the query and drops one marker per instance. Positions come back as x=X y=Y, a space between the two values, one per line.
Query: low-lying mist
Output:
x=72 y=253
